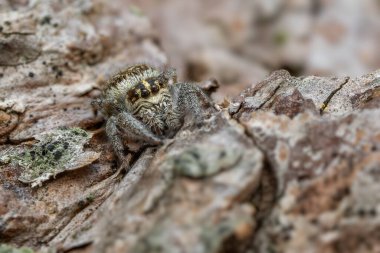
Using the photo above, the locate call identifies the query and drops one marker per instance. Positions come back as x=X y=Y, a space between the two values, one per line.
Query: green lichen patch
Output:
x=196 y=162
x=57 y=151
x=8 y=249
x=204 y=160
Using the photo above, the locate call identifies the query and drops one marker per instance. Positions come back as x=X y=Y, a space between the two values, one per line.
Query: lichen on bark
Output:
x=57 y=151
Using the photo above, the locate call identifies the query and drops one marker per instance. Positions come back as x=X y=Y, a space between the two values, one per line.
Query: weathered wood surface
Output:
x=290 y=165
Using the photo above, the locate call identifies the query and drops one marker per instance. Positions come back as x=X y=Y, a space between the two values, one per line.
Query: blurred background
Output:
x=239 y=42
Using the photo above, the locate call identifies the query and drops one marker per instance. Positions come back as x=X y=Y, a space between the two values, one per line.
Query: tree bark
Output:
x=290 y=165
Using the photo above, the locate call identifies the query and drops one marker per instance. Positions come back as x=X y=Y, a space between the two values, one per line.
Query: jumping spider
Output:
x=144 y=105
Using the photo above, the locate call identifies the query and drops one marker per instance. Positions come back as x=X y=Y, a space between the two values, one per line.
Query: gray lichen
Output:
x=8 y=249
x=4 y=248
x=197 y=162
x=57 y=151
x=202 y=161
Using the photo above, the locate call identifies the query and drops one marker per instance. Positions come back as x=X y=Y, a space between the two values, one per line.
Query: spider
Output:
x=144 y=105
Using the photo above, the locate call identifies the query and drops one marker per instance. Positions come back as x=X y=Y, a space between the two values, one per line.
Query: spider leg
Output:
x=115 y=138
x=125 y=126
x=189 y=99
x=133 y=129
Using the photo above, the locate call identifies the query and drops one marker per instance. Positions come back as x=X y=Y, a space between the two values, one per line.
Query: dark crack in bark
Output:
x=326 y=102
x=270 y=96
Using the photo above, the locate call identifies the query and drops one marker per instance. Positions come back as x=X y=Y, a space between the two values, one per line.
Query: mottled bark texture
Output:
x=290 y=165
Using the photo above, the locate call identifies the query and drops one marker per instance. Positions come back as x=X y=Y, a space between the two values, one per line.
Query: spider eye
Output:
x=144 y=92
x=133 y=95
x=154 y=87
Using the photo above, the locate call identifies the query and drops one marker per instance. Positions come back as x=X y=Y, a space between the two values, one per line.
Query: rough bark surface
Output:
x=290 y=165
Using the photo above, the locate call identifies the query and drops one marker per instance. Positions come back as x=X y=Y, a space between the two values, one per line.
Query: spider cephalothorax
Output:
x=145 y=105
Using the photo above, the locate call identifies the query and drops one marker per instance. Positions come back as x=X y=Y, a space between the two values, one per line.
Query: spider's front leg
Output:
x=125 y=126
x=152 y=121
x=189 y=99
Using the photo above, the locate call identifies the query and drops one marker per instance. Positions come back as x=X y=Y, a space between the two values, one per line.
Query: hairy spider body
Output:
x=144 y=105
